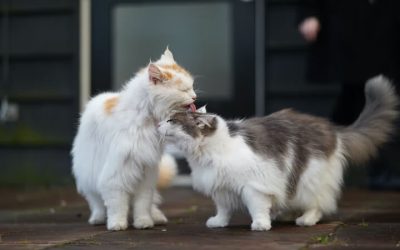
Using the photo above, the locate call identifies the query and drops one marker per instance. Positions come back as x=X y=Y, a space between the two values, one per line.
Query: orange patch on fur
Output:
x=176 y=68
x=110 y=103
x=167 y=75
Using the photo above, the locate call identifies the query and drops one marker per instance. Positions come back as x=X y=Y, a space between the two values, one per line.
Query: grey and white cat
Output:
x=287 y=161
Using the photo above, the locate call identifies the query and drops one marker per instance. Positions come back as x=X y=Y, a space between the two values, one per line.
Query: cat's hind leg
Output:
x=158 y=216
x=144 y=199
x=309 y=218
x=97 y=208
x=224 y=211
x=259 y=206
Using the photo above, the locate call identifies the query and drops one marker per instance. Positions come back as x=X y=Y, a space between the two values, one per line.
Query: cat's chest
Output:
x=204 y=179
x=145 y=143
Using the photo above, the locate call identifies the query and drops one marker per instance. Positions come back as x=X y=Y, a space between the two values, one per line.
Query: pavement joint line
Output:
x=71 y=242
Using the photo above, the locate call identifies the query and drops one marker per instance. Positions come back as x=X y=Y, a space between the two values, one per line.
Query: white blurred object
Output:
x=202 y=109
x=9 y=112
x=174 y=151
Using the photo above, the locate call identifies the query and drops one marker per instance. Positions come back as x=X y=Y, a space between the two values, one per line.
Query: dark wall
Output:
x=286 y=84
x=286 y=81
x=39 y=73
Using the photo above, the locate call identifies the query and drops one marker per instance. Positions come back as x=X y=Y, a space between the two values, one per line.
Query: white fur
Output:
x=226 y=169
x=115 y=155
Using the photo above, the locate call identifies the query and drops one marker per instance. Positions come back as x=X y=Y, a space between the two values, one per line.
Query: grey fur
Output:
x=192 y=123
x=375 y=123
x=272 y=135
x=233 y=128
x=309 y=136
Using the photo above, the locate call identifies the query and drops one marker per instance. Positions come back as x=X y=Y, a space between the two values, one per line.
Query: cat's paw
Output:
x=97 y=219
x=306 y=221
x=117 y=225
x=216 y=221
x=158 y=217
x=143 y=223
x=261 y=225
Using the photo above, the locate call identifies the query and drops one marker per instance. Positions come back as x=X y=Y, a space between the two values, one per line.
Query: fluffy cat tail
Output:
x=375 y=123
x=167 y=171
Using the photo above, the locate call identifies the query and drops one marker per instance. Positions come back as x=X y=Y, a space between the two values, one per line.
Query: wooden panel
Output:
x=317 y=105
x=30 y=166
x=282 y=26
x=286 y=82
x=1 y=35
x=32 y=6
x=280 y=63
x=41 y=78
x=41 y=34
x=43 y=82
x=40 y=124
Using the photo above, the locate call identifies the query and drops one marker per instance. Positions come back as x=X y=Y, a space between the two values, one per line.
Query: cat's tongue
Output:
x=192 y=107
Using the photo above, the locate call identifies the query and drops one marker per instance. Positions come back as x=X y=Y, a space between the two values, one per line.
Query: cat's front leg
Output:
x=259 y=206
x=143 y=200
x=117 y=203
x=224 y=212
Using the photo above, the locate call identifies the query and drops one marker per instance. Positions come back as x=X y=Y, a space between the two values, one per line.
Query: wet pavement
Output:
x=56 y=219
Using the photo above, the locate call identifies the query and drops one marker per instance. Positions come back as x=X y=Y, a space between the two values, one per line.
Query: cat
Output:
x=287 y=161
x=117 y=147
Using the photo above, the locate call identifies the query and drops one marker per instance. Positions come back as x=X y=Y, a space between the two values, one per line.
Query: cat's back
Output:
x=90 y=145
x=91 y=124
x=274 y=133
x=100 y=106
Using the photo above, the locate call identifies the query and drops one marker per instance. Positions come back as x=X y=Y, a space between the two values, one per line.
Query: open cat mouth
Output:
x=190 y=107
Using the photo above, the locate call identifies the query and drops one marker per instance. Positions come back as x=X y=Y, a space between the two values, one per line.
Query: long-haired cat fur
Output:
x=287 y=161
x=117 y=148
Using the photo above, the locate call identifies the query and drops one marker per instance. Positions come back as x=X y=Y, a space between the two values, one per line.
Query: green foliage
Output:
x=323 y=239
x=29 y=175
x=21 y=134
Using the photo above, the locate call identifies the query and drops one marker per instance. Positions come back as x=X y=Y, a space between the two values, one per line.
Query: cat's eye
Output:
x=170 y=120
x=186 y=90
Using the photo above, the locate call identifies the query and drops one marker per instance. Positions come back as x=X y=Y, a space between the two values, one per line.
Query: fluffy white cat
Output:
x=117 y=148
x=284 y=162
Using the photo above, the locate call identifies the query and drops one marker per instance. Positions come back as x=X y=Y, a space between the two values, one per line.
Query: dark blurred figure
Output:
x=351 y=41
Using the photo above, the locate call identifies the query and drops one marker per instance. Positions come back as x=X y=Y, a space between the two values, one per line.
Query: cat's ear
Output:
x=167 y=57
x=155 y=74
x=206 y=121
x=202 y=110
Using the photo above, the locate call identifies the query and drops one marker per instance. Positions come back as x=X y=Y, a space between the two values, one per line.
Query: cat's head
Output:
x=171 y=86
x=188 y=130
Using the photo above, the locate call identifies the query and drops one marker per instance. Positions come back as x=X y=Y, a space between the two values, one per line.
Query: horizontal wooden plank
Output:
x=314 y=104
x=24 y=166
x=46 y=33
x=281 y=25
x=38 y=56
x=40 y=124
x=31 y=6
x=36 y=79
x=37 y=98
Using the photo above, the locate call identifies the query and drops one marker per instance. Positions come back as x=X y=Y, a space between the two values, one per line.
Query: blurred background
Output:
x=248 y=57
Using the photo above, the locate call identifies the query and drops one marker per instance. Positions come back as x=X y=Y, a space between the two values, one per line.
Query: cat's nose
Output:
x=194 y=98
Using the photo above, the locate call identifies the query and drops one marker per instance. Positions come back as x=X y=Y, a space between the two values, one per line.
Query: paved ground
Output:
x=56 y=219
